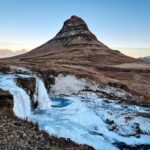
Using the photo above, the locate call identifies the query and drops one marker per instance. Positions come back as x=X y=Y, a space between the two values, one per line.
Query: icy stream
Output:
x=85 y=119
x=89 y=120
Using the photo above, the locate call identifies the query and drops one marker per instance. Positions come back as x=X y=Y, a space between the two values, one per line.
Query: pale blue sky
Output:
x=117 y=23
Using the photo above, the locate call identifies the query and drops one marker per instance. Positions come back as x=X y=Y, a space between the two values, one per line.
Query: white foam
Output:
x=41 y=95
x=67 y=85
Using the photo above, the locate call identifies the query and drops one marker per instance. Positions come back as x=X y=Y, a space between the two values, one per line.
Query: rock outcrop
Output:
x=6 y=99
x=29 y=85
x=75 y=26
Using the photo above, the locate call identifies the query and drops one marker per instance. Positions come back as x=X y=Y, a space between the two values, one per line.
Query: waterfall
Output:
x=41 y=95
x=22 y=106
x=22 y=101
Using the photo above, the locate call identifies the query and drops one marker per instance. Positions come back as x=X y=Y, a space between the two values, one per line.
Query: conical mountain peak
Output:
x=74 y=44
x=75 y=21
x=73 y=27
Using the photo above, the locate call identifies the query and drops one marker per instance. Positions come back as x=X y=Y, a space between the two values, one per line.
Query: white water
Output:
x=41 y=95
x=22 y=102
x=22 y=107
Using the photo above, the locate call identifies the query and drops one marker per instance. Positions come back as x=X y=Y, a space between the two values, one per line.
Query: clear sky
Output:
x=120 y=24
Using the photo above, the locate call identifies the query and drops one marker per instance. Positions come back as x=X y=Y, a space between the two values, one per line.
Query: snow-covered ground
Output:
x=67 y=85
x=70 y=85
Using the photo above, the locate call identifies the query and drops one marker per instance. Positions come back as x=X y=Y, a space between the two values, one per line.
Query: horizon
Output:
x=132 y=52
x=124 y=27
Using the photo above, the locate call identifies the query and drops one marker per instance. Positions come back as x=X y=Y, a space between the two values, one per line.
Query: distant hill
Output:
x=146 y=59
x=9 y=53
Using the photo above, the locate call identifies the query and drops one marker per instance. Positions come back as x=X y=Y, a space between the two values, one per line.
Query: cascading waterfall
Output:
x=41 y=95
x=22 y=102
x=22 y=106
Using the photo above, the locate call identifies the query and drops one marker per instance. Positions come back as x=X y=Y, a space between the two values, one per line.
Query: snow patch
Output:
x=67 y=85
x=116 y=92
x=70 y=85
x=19 y=68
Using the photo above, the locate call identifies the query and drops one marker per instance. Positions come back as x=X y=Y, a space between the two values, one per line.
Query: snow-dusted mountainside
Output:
x=146 y=59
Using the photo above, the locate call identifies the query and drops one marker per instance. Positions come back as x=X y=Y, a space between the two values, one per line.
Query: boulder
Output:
x=29 y=85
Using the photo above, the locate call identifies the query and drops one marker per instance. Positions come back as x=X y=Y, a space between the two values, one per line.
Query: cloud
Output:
x=8 y=53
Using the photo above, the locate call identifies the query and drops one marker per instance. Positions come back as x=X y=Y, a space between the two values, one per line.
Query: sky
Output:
x=120 y=24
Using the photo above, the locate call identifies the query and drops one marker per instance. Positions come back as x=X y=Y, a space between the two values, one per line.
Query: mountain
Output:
x=75 y=44
x=146 y=59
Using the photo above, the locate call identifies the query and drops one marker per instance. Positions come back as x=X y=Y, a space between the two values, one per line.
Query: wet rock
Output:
x=118 y=85
x=137 y=129
x=112 y=127
x=108 y=121
x=4 y=69
x=6 y=99
x=123 y=146
x=127 y=119
x=29 y=85
x=75 y=26
x=48 y=78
